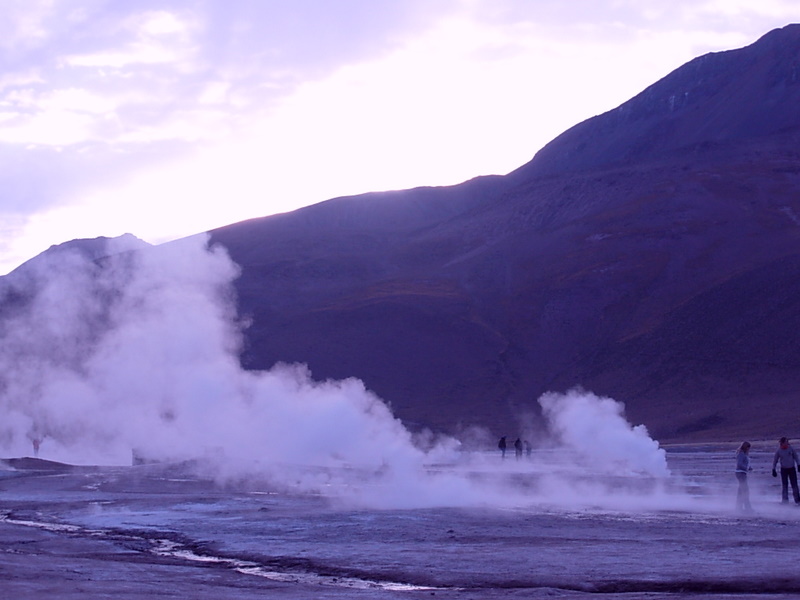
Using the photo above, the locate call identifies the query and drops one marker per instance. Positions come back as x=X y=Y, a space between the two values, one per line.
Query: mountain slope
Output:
x=715 y=100
x=651 y=254
x=643 y=254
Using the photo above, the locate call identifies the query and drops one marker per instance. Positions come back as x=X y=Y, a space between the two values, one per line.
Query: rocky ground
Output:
x=159 y=531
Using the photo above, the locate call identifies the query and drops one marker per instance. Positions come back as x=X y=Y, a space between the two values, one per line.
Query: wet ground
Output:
x=162 y=531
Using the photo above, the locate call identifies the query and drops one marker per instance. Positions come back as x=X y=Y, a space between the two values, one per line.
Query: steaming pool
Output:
x=530 y=528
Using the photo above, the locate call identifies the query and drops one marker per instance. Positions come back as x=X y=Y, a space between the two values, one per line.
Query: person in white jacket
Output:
x=742 y=469
x=788 y=459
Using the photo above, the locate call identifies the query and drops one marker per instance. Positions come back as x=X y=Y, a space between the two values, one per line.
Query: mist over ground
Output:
x=137 y=355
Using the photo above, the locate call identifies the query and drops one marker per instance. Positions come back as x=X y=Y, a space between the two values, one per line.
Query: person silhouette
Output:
x=788 y=459
x=742 y=469
x=502 y=445
x=518 y=448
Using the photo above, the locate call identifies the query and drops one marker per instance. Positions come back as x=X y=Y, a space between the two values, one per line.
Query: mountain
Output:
x=722 y=99
x=650 y=254
x=18 y=287
x=88 y=248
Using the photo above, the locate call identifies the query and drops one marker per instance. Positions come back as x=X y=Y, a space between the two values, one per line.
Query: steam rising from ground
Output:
x=597 y=426
x=139 y=353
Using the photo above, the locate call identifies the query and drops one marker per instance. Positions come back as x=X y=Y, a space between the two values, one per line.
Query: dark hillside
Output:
x=646 y=254
x=651 y=254
x=716 y=100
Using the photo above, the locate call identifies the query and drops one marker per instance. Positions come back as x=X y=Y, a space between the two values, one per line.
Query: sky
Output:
x=166 y=118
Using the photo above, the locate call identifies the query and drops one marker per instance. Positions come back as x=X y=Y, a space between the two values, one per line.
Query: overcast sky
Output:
x=165 y=118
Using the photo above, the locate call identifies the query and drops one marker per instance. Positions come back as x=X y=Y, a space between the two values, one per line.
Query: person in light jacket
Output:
x=788 y=459
x=742 y=469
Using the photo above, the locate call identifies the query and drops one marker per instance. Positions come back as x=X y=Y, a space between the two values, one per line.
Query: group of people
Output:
x=790 y=466
x=785 y=455
x=518 y=445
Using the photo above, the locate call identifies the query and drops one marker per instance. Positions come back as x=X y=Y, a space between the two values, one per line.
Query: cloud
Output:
x=25 y=24
x=150 y=37
x=180 y=104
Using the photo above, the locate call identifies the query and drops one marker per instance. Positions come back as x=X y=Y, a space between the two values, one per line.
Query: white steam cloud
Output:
x=139 y=353
x=597 y=431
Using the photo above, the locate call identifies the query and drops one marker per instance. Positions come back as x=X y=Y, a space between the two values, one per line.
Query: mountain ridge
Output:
x=722 y=78
x=561 y=276
x=648 y=254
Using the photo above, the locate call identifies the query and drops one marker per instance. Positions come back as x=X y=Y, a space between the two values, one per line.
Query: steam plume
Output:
x=139 y=352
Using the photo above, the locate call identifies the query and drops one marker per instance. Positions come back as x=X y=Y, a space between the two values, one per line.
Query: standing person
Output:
x=788 y=458
x=742 y=468
x=518 y=448
x=502 y=445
